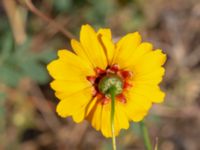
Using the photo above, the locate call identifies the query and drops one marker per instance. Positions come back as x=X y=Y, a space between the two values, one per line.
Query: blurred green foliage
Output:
x=17 y=62
x=103 y=12
x=2 y=111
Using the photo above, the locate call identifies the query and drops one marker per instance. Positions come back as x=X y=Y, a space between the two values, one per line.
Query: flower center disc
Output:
x=112 y=80
x=108 y=82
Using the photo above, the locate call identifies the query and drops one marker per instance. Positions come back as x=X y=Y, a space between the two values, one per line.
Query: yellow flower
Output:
x=78 y=78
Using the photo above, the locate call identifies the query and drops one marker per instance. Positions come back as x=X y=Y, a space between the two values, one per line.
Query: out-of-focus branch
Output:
x=46 y=18
x=47 y=33
x=15 y=19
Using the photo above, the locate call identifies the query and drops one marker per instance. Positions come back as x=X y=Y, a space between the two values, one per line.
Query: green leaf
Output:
x=35 y=71
x=46 y=56
x=6 y=46
x=63 y=5
x=9 y=75
x=2 y=97
x=22 y=50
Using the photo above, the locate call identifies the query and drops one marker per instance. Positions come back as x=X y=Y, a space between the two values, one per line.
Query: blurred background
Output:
x=32 y=31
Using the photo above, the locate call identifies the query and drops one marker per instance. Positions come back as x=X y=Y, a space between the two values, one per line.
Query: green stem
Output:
x=145 y=134
x=112 y=116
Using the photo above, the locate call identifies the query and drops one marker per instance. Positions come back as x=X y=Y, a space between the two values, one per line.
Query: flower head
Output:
x=82 y=79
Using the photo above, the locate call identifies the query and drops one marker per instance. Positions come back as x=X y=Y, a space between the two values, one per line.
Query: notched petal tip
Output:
x=106 y=32
x=139 y=117
x=109 y=135
x=50 y=67
x=61 y=111
x=51 y=64
x=136 y=34
x=72 y=42
x=86 y=25
x=160 y=97
x=65 y=53
x=164 y=56
x=52 y=85
x=161 y=52
x=160 y=55
x=87 y=28
x=78 y=117
x=147 y=45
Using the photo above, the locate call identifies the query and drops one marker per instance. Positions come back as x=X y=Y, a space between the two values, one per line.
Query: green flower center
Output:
x=110 y=82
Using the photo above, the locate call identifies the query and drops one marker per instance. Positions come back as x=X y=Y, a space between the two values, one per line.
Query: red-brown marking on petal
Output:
x=94 y=91
x=99 y=71
x=115 y=67
x=121 y=98
x=127 y=85
x=91 y=79
x=126 y=74
x=104 y=100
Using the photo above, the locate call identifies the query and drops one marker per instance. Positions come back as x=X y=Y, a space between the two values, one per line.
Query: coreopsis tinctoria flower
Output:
x=82 y=79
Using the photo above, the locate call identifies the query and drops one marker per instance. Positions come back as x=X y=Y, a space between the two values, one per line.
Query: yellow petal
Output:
x=92 y=47
x=120 y=120
x=105 y=121
x=67 y=88
x=122 y=117
x=137 y=106
x=105 y=32
x=152 y=93
x=125 y=47
x=152 y=78
x=75 y=62
x=109 y=47
x=91 y=106
x=99 y=116
x=62 y=95
x=94 y=115
x=149 y=63
x=60 y=70
x=72 y=104
x=137 y=54
x=67 y=67
x=79 y=115
x=79 y=50
x=105 y=38
x=139 y=116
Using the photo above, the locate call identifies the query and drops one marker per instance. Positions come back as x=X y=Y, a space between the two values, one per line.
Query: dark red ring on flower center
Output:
x=124 y=75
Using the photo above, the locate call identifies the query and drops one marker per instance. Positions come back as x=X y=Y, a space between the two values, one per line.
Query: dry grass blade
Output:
x=16 y=20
